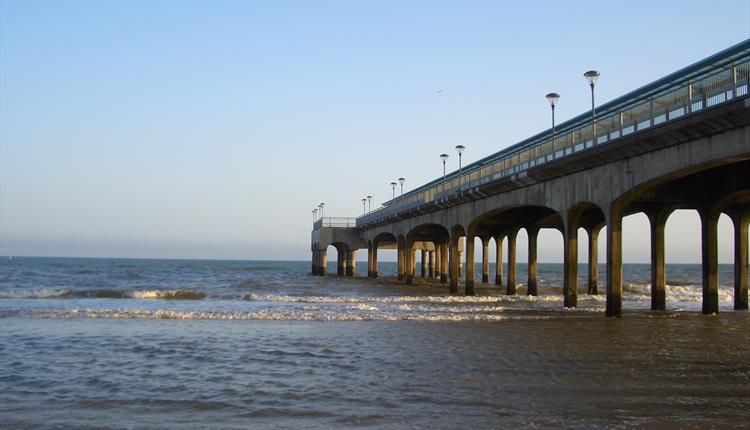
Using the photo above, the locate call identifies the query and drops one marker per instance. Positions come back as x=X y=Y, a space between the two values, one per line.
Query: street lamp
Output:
x=592 y=76
x=460 y=149
x=444 y=157
x=552 y=98
x=321 y=209
x=363 y=206
x=393 y=187
x=315 y=214
x=402 y=180
x=369 y=203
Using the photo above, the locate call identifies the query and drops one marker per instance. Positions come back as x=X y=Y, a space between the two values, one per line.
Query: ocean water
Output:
x=107 y=343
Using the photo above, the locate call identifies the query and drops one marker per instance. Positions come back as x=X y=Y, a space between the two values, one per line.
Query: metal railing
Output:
x=713 y=81
x=336 y=222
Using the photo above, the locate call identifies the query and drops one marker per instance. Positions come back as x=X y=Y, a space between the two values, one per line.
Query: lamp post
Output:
x=552 y=98
x=592 y=76
x=320 y=206
x=402 y=180
x=460 y=149
x=369 y=203
x=363 y=206
x=315 y=214
x=393 y=187
x=444 y=157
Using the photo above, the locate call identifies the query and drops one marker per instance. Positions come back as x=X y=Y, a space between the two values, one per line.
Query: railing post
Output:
x=734 y=81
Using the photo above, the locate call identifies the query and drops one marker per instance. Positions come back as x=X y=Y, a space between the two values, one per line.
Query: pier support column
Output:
x=531 y=289
x=469 y=286
x=710 y=260
x=740 y=221
x=570 y=257
x=401 y=265
x=423 y=273
x=614 y=263
x=409 y=264
x=453 y=289
x=341 y=262
x=443 y=263
x=485 y=260
x=369 y=260
x=314 y=269
x=657 y=219
x=351 y=262
x=499 y=260
x=323 y=271
x=593 y=233
x=510 y=287
x=374 y=260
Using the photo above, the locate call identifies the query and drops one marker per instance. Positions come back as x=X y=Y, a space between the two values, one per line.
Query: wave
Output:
x=276 y=315
x=178 y=294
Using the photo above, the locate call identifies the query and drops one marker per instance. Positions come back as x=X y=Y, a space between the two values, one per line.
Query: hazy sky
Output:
x=211 y=129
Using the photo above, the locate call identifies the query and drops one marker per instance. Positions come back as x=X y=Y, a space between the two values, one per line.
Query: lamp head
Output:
x=592 y=76
x=402 y=180
x=460 y=149
x=552 y=98
x=444 y=157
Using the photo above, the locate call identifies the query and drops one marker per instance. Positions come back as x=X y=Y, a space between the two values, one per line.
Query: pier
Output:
x=681 y=142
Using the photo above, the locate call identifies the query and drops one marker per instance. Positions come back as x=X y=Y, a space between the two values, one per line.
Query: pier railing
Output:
x=342 y=222
x=718 y=79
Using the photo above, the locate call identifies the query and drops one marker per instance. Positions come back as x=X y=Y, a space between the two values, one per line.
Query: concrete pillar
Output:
x=485 y=260
x=510 y=287
x=314 y=269
x=740 y=221
x=351 y=262
x=614 y=264
x=323 y=263
x=341 y=262
x=499 y=259
x=453 y=289
x=443 y=263
x=710 y=260
x=469 y=287
x=431 y=264
x=531 y=289
x=409 y=264
x=593 y=233
x=423 y=273
x=657 y=220
x=374 y=260
x=570 y=260
x=401 y=265
x=369 y=260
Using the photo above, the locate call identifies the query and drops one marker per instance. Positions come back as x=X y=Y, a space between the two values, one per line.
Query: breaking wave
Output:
x=178 y=294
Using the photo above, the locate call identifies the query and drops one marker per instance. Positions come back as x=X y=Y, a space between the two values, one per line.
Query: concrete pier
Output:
x=710 y=260
x=740 y=219
x=570 y=265
x=531 y=288
x=657 y=219
x=689 y=150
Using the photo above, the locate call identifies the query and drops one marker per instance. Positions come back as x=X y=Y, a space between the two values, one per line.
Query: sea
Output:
x=207 y=344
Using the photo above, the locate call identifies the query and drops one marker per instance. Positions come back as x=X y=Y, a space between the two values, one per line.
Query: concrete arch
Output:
x=710 y=188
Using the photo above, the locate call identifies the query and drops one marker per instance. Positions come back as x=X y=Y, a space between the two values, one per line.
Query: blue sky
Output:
x=196 y=129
